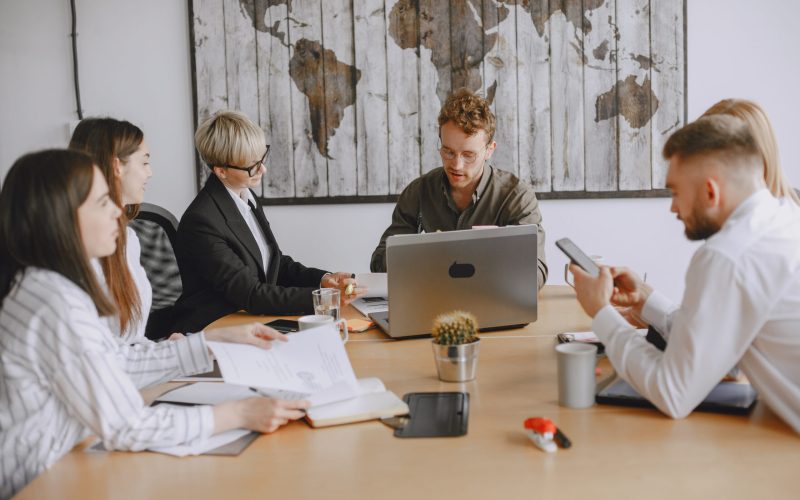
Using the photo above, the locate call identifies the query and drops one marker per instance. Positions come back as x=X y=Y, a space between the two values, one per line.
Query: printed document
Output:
x=312 y=364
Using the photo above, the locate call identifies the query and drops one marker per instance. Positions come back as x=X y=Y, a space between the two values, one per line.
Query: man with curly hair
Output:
x=465 y=191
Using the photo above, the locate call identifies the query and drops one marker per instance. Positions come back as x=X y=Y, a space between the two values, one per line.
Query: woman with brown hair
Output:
x=761 y=128
x=119 y=149
x=63 y=375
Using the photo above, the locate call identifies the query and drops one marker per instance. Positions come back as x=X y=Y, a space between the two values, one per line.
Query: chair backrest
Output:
x=162 y=217
x=156 y=229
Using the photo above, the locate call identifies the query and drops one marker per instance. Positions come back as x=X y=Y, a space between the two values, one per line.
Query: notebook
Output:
x=374 y=402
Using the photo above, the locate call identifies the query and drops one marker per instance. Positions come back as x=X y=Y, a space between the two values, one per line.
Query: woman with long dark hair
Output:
x=120 y=151
x=63 y=374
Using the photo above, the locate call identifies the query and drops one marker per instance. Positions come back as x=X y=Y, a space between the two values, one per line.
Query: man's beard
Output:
x=698 y=226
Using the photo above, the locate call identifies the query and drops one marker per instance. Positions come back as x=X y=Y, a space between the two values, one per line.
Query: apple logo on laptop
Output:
x=464 y=270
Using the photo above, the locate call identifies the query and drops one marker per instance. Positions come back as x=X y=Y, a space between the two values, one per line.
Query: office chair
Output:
x=156 y=229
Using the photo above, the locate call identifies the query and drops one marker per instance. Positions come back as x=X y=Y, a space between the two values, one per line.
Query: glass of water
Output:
x=327 y=301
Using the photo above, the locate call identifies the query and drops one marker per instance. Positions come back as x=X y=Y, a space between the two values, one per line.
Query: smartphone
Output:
x=284 y=325
x=577 y=256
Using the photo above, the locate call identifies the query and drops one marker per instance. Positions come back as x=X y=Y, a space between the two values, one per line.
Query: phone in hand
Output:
x=577 y=256
x=284 y=325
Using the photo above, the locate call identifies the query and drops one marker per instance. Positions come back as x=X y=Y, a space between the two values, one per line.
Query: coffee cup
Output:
x=576 y=376
x=315 y=320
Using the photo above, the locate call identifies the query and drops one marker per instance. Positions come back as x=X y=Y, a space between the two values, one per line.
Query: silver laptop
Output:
x=488 y=272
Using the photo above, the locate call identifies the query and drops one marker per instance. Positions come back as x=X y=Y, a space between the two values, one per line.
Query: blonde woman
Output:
x=761 y=128
x=227 y=254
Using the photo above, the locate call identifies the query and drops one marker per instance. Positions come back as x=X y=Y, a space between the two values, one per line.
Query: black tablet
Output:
x=727 y=397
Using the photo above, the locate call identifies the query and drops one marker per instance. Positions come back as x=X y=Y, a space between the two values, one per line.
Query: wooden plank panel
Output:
x=500 y=81
x=533 y=97
x=600 y=124
x=403 y=93
x=372 y=135
x=566 y=98
x=667 y=73
x=434 y=77
x=308 y=100
x=240 y=56
x=211 y=85
x=341 y=77
x=274 y=91
x=633 y=94
x=466 y=45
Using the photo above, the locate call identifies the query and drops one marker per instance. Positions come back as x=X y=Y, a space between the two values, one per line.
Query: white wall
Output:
x=135 y=64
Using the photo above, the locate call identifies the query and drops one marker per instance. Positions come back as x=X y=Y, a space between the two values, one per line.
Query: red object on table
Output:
x=541 y=425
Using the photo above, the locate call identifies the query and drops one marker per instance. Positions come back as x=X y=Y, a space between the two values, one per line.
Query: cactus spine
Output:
x=455 y=328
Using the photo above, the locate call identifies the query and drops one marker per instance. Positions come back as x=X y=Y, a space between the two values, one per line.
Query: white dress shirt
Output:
x=252 y=223
x=134 y=334
x=741 y=306
x=64 y=376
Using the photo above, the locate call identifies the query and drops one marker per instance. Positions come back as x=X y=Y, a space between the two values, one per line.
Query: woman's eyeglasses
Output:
x=252 y=169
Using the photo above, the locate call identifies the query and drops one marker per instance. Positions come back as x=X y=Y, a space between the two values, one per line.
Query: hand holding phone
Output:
x=577 y=256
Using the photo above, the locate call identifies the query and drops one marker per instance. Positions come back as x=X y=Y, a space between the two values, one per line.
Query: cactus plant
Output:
x=455 y=328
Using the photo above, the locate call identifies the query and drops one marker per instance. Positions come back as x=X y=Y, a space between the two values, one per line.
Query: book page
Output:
x=309 y=363
x=376 y=284
x=370 y=305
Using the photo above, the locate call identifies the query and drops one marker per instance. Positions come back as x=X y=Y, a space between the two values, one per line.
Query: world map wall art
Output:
x=585 y=92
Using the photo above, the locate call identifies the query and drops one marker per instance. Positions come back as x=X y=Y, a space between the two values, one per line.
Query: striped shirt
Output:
x=63 y=376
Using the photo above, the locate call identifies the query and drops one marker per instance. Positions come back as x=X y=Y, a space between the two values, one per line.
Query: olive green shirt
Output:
x=426 y=205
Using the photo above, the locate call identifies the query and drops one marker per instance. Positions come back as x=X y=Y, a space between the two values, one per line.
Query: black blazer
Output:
x=221 y=266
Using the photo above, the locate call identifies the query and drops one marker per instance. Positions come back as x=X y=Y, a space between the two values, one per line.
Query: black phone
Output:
x=577 y=256
x=435 y=414
x=284 y=325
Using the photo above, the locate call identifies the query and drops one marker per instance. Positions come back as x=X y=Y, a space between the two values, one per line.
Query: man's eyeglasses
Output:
x=469 y=156
x=252 y=169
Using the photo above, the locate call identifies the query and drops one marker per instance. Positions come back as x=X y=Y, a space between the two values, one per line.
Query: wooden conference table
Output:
x=617 y=452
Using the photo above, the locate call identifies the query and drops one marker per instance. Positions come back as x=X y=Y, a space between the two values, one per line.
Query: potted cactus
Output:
x=455 y=346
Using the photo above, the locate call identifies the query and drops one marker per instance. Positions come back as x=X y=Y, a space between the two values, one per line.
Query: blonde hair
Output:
x=229 y=138
x=760 y=127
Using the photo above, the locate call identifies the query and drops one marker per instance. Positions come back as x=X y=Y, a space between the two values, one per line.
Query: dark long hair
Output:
x=39 y=221
x=107 y=139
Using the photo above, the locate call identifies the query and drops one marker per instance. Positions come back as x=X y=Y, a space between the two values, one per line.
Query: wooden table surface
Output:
x=617 y=452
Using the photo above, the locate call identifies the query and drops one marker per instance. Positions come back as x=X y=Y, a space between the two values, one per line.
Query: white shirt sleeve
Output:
x=98 y=393
x=659 y=312
x=708 y=335
x=155 y=362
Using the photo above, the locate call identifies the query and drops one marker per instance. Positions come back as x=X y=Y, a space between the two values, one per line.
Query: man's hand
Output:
x=345 y=283
x=629 y=291
x=593 y=293
x=252 y=333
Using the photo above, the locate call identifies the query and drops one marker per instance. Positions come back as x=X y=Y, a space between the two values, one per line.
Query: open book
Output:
x=374 y=401
x=312 y=365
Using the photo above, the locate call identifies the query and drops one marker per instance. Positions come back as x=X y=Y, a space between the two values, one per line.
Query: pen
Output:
x=561 y=439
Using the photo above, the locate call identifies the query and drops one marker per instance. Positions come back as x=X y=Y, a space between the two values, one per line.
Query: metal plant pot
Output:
x=456 y=363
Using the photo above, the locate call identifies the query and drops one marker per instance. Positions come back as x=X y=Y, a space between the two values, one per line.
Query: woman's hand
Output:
x=252 y=333
x=257 y=414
